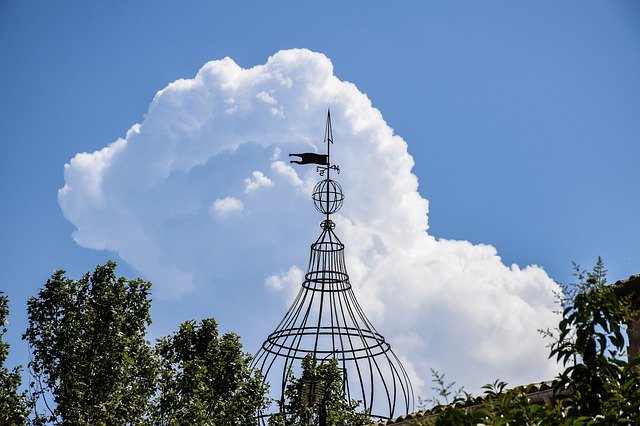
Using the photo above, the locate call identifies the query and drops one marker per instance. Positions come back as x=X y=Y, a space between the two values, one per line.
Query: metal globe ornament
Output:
x=327 y=196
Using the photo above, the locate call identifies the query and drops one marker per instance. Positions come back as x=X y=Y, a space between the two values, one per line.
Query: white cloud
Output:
x=288 y=281
x=268 y=99
x=257 y=180
x=449 y=305
x=287 y=172
x=276 y=154
x=226 y=206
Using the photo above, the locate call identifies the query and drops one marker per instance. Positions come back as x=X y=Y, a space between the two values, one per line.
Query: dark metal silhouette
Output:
x=327 y=321
x=310 y=158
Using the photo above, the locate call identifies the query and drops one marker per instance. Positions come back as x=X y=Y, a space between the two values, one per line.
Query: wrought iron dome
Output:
x=326 y=320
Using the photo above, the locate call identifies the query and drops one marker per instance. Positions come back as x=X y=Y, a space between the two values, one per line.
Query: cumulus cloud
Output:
x=443 y=304
x=288 y=281
x=287 y=172
x=226 y=206
x=257 y=180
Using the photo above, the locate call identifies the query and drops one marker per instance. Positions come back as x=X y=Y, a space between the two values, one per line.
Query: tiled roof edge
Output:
x=630 y=286
x=537 y=392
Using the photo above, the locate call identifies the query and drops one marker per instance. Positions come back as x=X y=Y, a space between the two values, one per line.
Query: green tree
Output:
x=13 y=404
x=591 y=347
x=88 y=349
x=317 y=398
x=205 y=379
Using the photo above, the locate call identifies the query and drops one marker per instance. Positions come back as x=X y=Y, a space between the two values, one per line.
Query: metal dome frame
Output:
x=326 y=320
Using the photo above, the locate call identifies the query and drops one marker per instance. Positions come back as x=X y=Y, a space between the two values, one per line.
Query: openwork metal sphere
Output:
x=327 y=196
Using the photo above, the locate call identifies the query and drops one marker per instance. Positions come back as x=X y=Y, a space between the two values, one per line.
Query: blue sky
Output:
x=522 y=119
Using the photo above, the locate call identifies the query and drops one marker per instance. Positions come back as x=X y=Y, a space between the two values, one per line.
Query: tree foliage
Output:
x=88 y=347
x=598 y=385
x=13 y=403
x=445 y=392
x=317 y=398
x=89 y=353
x=205 y=379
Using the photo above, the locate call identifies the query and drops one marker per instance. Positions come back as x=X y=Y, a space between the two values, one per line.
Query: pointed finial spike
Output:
x=328 y=134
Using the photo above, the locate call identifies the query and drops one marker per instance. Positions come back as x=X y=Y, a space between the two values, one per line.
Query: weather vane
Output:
x=326 y=320
x=323 y=160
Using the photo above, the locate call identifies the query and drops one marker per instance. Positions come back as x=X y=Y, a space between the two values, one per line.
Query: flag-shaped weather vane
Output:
x=326 y=321
x=322 y=160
